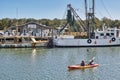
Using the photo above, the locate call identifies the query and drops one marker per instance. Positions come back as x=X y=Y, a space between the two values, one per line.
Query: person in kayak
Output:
x=82 y=63
x=91 y=62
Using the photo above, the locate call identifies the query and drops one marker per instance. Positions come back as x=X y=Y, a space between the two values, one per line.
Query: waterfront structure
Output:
x=29 y=29
x=30 y=34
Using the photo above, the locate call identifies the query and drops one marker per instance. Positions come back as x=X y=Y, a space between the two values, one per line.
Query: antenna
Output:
x=17 y=22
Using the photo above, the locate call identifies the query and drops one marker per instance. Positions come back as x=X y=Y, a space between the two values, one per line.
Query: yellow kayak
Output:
x=82 y=67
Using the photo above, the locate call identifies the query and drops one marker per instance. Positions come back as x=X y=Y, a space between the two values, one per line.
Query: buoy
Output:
x=89 y=41
x=110 y=41
x=95 y=42
x=113 y=39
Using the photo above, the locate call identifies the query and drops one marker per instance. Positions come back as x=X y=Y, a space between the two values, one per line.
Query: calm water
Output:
x=51 y=64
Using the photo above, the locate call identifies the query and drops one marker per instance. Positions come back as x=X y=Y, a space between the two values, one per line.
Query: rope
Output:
x=100 y=12
x=106 y=9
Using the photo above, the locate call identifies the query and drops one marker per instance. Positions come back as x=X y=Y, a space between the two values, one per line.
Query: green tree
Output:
x=107 y=21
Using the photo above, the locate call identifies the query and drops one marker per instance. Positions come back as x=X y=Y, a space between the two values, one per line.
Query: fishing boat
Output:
x=105 y=37
x=82 y=67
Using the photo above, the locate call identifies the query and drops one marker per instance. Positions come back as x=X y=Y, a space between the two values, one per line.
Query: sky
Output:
x=50 y=9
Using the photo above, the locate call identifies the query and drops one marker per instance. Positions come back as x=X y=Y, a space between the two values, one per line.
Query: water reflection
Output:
x=33 y=52
x=33 y=55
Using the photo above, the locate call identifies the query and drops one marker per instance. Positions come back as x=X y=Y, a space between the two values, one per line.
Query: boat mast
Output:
x=86 y=14
x=17 y=22
x=90 y=18
x=17 y=25
x=93 y=8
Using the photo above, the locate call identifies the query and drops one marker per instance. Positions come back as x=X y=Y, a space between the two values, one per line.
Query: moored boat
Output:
x=104 y=37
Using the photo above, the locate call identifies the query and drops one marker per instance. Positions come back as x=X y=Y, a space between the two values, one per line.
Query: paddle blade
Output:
x=93 y=58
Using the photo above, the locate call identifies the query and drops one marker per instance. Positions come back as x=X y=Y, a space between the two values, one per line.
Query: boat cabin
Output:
x=107 y=33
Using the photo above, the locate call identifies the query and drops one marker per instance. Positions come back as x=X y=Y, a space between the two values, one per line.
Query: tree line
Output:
x=54 y=23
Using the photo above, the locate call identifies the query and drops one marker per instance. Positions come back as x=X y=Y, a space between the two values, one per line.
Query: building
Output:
x=19 y=35
x=30 y=29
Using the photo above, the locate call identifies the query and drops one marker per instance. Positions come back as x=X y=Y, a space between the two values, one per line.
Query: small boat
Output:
x=82 y=67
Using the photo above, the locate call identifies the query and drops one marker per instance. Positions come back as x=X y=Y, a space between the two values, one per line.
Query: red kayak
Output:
x=82 y=67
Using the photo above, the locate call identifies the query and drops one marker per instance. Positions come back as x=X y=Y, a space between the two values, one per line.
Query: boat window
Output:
x=1 y=34
x=112 y=34
x=107 y=34
x=96 y=37
x=101 y=34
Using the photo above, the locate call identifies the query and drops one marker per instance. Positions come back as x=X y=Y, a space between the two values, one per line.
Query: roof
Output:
x=41 y=25
x=44 y=26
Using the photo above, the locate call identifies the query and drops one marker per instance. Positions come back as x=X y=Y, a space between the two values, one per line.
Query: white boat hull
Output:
x=71 y=42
